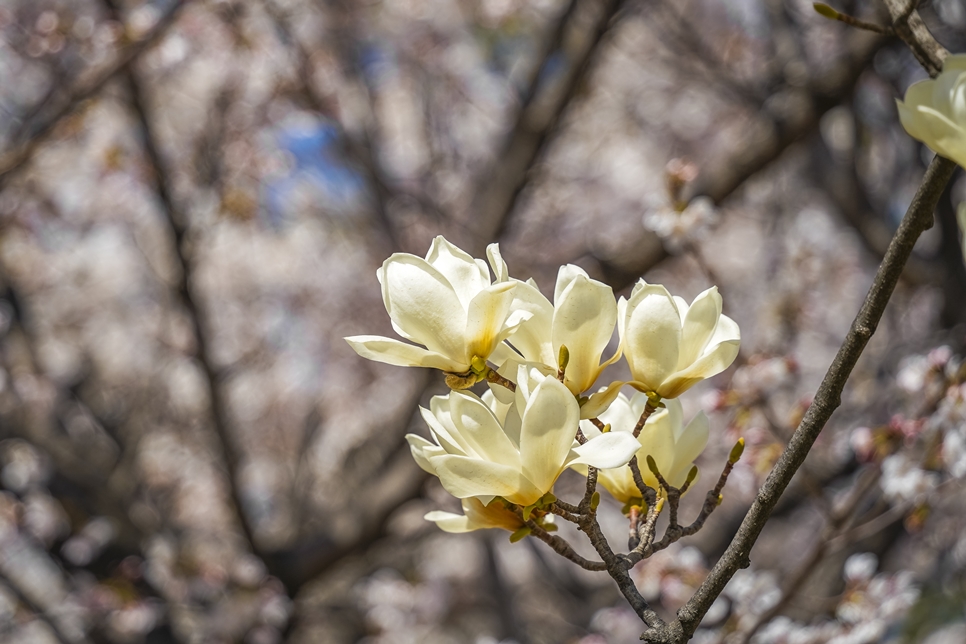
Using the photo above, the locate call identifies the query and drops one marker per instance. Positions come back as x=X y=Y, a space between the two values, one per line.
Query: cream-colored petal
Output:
x=652 y=335
x=485 y=316
x=394 y=352
x=440 y=423
x=421 y=301
x=497 y=263
x=675 y=416
x=601 y=401
x=954 y=63
x=449 y=522
x=613 y=449
x=465 y=477
x=657 y=441
x=422 y=450
x=550 y=422
x=621 y=414
x=584 y=317
x=698 y=326
x=565 y=276
x=463 y=272
x=691 y=442
x=710 y=364
x=534 y=337
x=943 y=136
x=490 y=514
x=479 y=427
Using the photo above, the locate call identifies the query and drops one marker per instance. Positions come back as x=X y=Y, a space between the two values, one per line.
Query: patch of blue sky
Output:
x=317 y=167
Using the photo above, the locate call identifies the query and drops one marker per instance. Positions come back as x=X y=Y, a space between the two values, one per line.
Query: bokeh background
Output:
x=194 y=197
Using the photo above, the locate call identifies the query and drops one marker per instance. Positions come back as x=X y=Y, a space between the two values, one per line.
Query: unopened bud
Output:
x=692 y=474
x=736 y=451
x=605 y=429
x=825 y=11
x=595 y=500
x=651 y=465
x=563 y=357
x=520 y=534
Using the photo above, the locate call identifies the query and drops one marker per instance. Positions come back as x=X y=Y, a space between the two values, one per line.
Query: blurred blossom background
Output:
x=195 y=195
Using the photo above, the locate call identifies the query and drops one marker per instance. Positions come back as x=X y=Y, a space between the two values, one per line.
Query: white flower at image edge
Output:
x=670 y=346
x=934 y=110
x=672 y=444
x=447 y=304
x=476 y=454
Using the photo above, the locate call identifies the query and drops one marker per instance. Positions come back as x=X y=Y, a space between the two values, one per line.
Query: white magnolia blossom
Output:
x=670 y=346
x=446 y=303
x=474 y=454
x=665 y=438
x=934 y=110
x=477 y=516
x=582 y=318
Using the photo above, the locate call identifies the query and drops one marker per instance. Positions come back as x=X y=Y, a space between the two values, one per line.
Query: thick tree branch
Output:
x=917 y=220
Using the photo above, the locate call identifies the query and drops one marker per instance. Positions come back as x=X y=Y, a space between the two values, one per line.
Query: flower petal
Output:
x=422 y=450
x=464 y=477
x=550 y=422
x=699 y=325
x=710 y=364
x=477 y=425
x=449 y=522
x=601 y=401
x=394 y=352
x=652 y=337
x=463 y=272
x=485 y=316
x=421 y=301
x=584 y=317
x=610 y=450
x=534 y=337
x=690 y=444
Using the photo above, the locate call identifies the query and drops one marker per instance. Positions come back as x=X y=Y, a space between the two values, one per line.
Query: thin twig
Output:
x=564 y=549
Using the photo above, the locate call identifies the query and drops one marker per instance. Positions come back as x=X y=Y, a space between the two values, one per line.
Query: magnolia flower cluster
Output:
x=504 y=451
x=934 y=110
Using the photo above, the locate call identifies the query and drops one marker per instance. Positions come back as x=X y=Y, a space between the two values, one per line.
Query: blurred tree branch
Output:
x=540 y=117
x=42 y=126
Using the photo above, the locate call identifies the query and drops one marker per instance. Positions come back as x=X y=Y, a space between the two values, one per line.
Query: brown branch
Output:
x=918 y=219
x=912 y=30
x=537 y=124
x=14 y=160
x=178 y=225
x=836 y=523
x=564 y=549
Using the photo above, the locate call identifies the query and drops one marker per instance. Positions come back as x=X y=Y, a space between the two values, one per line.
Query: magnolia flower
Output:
x=671 y=346
x=934 y=110
x=475 y=455
x=664 y=437
x=581 y=318
x=445 y=303
x=477 y=516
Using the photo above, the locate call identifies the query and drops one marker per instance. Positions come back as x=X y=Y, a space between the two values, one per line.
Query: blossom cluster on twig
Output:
x=543 y=412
